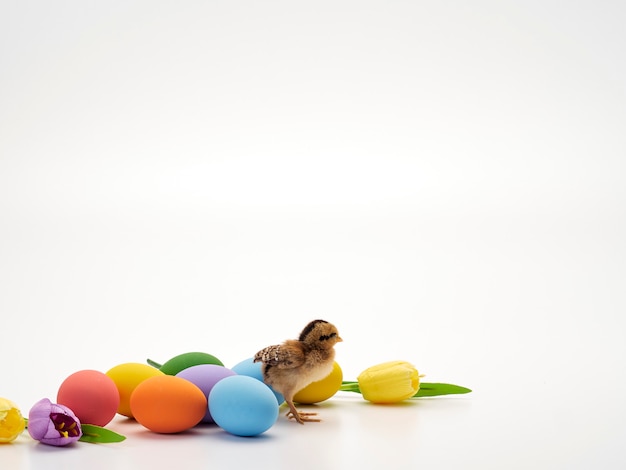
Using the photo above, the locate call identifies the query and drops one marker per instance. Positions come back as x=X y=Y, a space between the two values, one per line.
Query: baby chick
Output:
x=291 y=366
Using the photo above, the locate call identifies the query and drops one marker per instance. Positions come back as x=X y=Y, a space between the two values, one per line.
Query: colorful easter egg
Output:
x=322 y=389
x=205 y=376
x=182 y=361
x=243 y=406
x=126 y=377
x=91 y=395
x=168 y=404
x=252 y=369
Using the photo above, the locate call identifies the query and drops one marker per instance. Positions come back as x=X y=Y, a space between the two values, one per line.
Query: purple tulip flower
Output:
x=53 y=424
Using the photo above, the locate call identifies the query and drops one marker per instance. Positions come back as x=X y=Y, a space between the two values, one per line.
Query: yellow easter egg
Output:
x=126 y=377
x=322 y=389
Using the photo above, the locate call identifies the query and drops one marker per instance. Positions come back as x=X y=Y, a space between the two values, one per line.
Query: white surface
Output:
x=444 y=182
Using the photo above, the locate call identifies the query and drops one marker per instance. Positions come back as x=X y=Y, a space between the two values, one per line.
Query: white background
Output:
x=444 y=181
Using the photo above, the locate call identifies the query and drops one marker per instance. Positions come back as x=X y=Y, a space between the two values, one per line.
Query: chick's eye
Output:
x=326 y=337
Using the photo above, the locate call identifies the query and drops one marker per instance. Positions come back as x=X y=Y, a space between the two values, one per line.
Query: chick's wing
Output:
x=283 y=356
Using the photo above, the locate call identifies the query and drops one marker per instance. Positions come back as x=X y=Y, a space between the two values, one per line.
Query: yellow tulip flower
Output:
x=11 y=421
x=389 y=382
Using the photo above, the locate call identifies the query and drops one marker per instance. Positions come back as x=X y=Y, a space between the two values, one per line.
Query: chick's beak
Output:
x=339 y=340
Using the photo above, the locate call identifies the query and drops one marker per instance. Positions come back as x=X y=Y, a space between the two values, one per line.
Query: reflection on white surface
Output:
x=469 y=431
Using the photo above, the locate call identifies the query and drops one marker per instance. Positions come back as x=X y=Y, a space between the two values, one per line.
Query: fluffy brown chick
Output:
x=291 y=366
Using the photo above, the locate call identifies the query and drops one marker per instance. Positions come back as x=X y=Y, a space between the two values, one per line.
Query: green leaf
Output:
x=436 y=389
x=98 y=435
x=426 y=389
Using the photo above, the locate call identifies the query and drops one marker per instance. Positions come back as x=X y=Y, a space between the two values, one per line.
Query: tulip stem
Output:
x=348 y=386
x=154 y=364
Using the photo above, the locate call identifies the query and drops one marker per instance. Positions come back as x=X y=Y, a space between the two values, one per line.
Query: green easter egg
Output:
x=183 y=361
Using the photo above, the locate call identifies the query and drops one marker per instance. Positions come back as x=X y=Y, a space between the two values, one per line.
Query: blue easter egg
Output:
x=243 y=405
x=253 y=369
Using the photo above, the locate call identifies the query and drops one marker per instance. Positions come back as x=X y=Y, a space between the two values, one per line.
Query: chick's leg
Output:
x=300 y=416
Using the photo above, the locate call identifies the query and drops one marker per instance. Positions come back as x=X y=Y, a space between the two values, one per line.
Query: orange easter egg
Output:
x=168 y=404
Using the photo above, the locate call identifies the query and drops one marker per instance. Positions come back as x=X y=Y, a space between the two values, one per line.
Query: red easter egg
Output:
x=91 y=395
